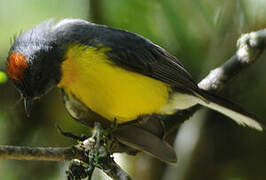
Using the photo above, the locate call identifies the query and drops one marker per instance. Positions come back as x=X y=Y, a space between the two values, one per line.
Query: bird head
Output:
x=33 y=63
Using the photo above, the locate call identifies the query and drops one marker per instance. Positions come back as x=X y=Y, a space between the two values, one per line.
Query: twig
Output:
x=250 y=46
x=96 y=153
x=78 y=170
x=38 y=153
x=93 y=151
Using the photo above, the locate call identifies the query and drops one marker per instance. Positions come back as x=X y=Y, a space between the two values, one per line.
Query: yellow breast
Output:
x=107 y=89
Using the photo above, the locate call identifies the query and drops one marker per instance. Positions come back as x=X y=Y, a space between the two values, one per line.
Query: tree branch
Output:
x=95 y=151
x=250 y=46
x=38 y=153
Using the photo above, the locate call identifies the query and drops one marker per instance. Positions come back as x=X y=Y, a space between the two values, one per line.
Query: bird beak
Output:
x=28 y=105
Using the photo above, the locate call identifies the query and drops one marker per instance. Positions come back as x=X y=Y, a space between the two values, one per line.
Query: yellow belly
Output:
x=109 y=90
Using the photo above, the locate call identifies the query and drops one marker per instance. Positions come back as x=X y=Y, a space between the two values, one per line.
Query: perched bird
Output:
x=107 y=75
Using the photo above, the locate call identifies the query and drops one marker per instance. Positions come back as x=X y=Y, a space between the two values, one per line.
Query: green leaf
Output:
x=3 y=77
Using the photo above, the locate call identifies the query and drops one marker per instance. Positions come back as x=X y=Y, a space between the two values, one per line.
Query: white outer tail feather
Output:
x=180 y=101
x=236 y=116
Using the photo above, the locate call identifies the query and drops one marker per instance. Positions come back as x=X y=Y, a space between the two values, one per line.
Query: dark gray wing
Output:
x=140 y=55
x=128 y=50
x=142 y=140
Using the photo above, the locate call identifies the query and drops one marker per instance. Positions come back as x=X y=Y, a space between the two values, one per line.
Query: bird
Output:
x=110 y=75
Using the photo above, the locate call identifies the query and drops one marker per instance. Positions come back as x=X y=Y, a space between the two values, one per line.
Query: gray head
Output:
x=33 y=63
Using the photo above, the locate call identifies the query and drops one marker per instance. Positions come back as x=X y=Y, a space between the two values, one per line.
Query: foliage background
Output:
x=201 y=33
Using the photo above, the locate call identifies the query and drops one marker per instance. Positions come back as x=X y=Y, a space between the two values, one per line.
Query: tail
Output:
x=229 y=109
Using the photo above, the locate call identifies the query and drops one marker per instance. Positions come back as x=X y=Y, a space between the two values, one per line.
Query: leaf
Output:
x=3 y=77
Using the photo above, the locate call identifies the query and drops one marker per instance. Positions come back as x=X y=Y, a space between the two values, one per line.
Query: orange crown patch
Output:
x=16 y=66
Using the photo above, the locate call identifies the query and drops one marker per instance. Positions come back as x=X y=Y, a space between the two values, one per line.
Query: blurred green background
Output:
x=201 y=33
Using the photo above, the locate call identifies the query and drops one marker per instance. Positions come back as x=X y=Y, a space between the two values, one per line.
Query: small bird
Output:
x=108 y=75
